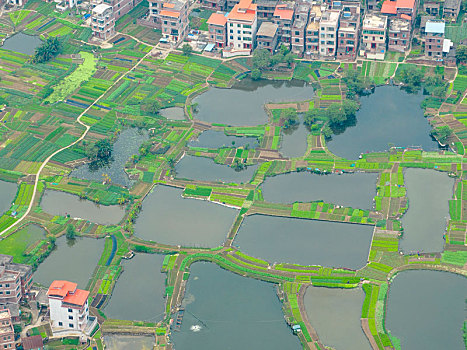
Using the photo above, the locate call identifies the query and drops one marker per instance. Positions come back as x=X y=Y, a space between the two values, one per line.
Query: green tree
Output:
x=50 y=48
x=355 y=83
x=152 y=107
x=261 y=59
x=442 y=133
x=70 y=232
x=187 y=50
x=411 y=77
x=238 y=165
x=312 y=115
x=289 y=59
x=338 y=114
x=461 y=54
x=256 y=74
x=100 y=152
x=289 y=115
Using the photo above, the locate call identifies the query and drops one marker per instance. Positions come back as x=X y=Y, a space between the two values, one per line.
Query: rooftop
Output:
x=398 y=24
x=68 y=292
x=282 y=11
x=267 y=29
x=169 y=13
x=389 y=7
x=330 y=17
x=435 y=27
x=34 y=342
x=374 y=21
x=100 y=9
x=452 y=4
x=245 y=10
x=218 y=19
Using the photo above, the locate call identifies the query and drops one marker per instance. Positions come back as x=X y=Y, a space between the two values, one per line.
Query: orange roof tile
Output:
x=283 y=12
x=389 y=7
x=217 y=19
x=406 y=4
x=78 y=298
x=243 y=11
x=168 y=5
x=61 y=288
x=407 y=17
x=168 y=13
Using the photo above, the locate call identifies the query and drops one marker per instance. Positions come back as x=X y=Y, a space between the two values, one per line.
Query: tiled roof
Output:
x=168 y=13
x=283 y=12
x=217 y=19
x=389 y=7
x=34 y=342
x=78 y=298
x=406 y=4
x=245 y=10
x=61 y=288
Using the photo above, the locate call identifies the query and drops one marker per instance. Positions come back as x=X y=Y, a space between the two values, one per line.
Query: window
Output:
x=70 y=317
x=7 y=292
x=70 y=325
x=60 y=324
x=70 y=310
x=7 y=285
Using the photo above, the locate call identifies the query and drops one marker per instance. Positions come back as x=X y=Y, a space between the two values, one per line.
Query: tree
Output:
x=70 y=232
x=261 y=59
x=338 y=114
x=313 y=115
x=411 y=77
x=289 y=59
x=355 y=84
x=461 y=54
x=50 y=48
x=256 y=74
x=442 y=134
x=187 y=49
x=100 y=153
x=152 y=108
x=237 y=165
x=289 y=115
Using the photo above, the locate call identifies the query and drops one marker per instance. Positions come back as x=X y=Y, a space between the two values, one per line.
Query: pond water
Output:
x=294 y=143
x=22 y=43
x=7 y=195
x=426 y=310
x=218 y=139
x=126 y=145
x=355 y=190
x=228 y=311
x=305 y=242
x=168 y=218
x=174 y=113
x=389 y=116
x=204 y=169
x=124 y=342
x=426 y=219
x=73 y=261
x=143 y=280
x=243 y=104
x=61 y=203
x=335 y=315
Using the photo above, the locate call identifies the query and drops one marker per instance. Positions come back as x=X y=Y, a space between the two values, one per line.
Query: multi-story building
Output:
x=265 y=10
x=423 y=20
x=103 y=22
x=434 y=38
x=217 y=5
x=242 y=26
x=7 y=333
x=217 y=24
x=328 y=33
x=399 y=34
x=312 y=33
x=302 y=12
x=406 y=9
x=373 y=38
x=68 y=306
x=431 y=7
x=15 y=280
x=266 y=37
x=283 y=17
x=171 y=16
x=371 y=5
x=119 y=7
x=451 y=9
x=348 y=33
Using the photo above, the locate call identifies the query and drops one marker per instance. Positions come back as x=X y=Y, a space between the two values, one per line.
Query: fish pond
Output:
x=7 y=195
x=388 y=117
x=142 y=280
x=71 y=260
x=126 y=145
x=294 y=140
x=425 y=221
x=61 y=203
x=426 y=310
x=173 y=113
x=305 y=242
x=355 y=190
x=227 y=311
x=168 y=218
x=243 y=104
x=335 y=314
x=204 y=169
x=125 y=342
x=22 y=43
x=218 y=139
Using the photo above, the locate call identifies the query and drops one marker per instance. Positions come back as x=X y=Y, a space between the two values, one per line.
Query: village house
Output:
x=373 y=38
x=328 y=33
x=7 y=334
x=434 y=37
x=119 y=7
x=242 y=26
x=103 y=22
x=348 y=32
x=283 y=17
x=266 y=37
x=451 y=9
x=312 y=33
x=217 y=5
x=217 y=23
x=15 y=280
x=265 y=10
x=406 y=9
x=69 y=310
x=398 y=35
x=302 y=12
x=171 y=16
x=432 y=7
x=423 y=20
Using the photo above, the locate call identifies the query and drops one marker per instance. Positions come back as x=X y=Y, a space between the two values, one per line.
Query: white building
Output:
x=103 y=22
x=328 y=33
x=242 y=26
x=69 y=310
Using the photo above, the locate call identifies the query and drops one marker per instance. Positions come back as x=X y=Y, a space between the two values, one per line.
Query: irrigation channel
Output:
x=388 y=117
x=218 y=139
x=21 y=42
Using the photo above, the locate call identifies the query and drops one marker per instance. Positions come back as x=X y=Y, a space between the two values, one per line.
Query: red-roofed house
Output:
x=406 y=9
x=68 y=306
x=171 y=16
x=217 y=29
x=283 y=17
x=241 y=26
